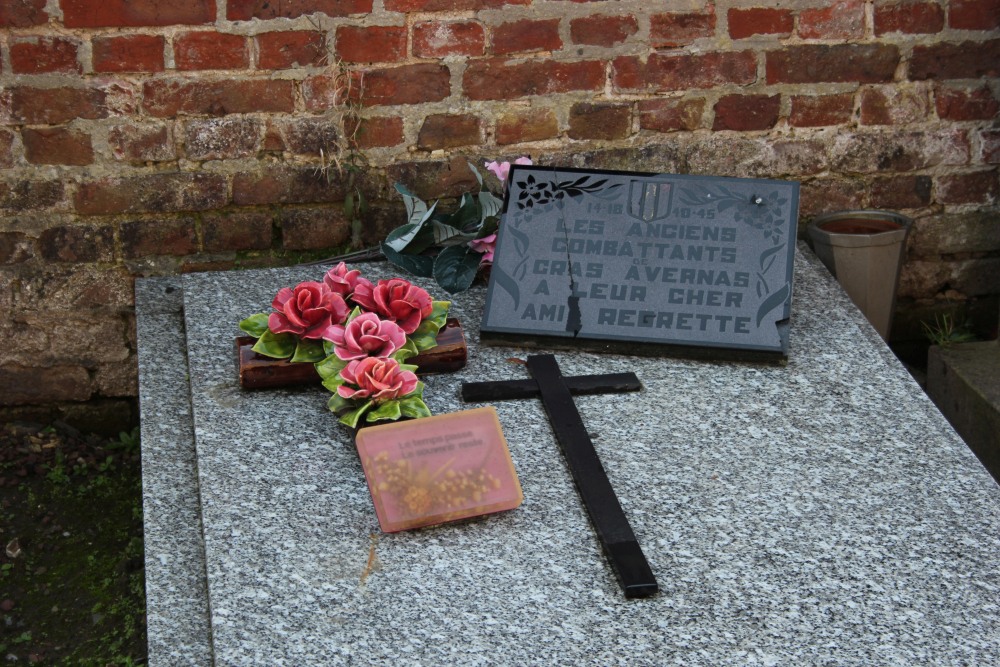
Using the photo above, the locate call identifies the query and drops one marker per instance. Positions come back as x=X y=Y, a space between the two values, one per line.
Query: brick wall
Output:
x=141 y=137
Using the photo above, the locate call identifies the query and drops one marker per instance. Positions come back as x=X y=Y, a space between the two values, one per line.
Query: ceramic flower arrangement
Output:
x=358 y=334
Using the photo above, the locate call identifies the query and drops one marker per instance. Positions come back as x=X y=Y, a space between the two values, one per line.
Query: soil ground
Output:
x=71 y=552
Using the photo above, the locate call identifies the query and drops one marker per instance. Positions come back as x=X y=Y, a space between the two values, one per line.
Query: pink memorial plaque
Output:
x=438 y=469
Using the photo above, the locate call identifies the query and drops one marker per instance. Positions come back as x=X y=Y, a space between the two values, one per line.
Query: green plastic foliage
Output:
x=255 y=325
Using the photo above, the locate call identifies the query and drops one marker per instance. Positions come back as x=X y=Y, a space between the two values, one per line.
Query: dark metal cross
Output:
x=620 y=545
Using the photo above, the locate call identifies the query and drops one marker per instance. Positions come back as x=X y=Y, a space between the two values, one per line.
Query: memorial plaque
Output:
x=644 y=263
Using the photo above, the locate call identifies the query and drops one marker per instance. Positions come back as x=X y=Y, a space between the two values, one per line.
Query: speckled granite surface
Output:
x=819 y=513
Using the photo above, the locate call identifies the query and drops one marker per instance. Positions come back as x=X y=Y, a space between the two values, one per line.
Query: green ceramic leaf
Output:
x=339 y=404
x=405 y=352
x=354 y=416
x=255 y=325
x=276 y=346
x=414 y=407
x=308 y=351
x=330 y=367
x=389 y=410
x=455 y=268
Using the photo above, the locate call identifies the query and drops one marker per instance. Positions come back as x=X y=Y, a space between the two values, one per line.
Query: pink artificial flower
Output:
x=307 y=311
x=376 y=379
x=486 y=245
x=365 y=336
x=342 y=281
x=398 y=300
x=501 y=169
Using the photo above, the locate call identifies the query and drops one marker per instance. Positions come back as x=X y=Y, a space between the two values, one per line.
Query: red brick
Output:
x=207 y=49
x=496 y=79
x=861 y=63
x=291 y=48
x=52 y=106
x=909 y=17
x=128 y=53
x=288 y=185
x=57 y=145
x=818 y=110
x=235 y=231
x=602 y=30
x=245 y=10
x=892 y=105
x=967 y=60
x=373 y=44
x=224 y=138
x=671 y=115
x=448 y=5
x=759 y=21
x=679 y=29
x=375 y=132
x=166 y=192
x=449 y=131
x=22 y=13
x=523 y=126
x=26 y=195
x=145 y=238
x=37 y=55
x=973 y=14
x=15 y=248
x=665 y=72
x=141 y=143
x=311 y=229
x=526 y=36
x=990 y=141
x=965 y=103
x=328 y=91
x=899 y=192
x=600 y=121
x=980 y=187
x=887 y=151
x=167 y=98
x=6 y=149
x=840 y=20
x=437 y=39
x=135 y=13
x=77 y=243
x=409 y=84
x=33 y=385
x=746 y=113
x=310 y=136
x=828 y=195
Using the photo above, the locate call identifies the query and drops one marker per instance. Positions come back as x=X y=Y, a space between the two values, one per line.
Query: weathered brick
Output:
x=57 y=145
x=678 y=28
x=22 y=13
x=893 y=105
x=671 y=115
x=310 y=136
x=170 y=236
x=375 y=132
x=15 y=248
x=953 y=233
x=224 y=138
x=870 y=152
x=245 y=10
x=141 y=143
x=840 y=20
x=974 y=14
x=75 y=287
x=291 y=48
x=289 y=185
x=818 y=110
x=128 y=53
x=6 y=149
x=435 y=179
x=33 y=54
x=908 y=17
x=448 y=5
x=117 y=379
x=959 y=102
x=602 y=29
x=30 y=195
x=825 y=195
x=600 y=121
x=990 y=142
x=496 y=79
x=438 y=39
x=666 y=72
x=966 y=60
x=409 y=84
x=86 y=338
x=526 y=36
x=755 y=157
x=449 y=131
x=522 y=126
x=746 y=113
x=31 y=385
x=901 y=192
x=135 y=13
x=167 y=98
x=371 y=44
x=977 y=187
x=207 y=49
x=328 y=91
x=759 y=21
x=313 y=229
x=77 y=243
x=52 y=106
x=167 y=192
x=816 y=63
x=233 y=231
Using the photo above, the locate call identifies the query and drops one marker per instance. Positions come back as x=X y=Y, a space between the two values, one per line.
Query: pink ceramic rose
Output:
x=486 y=245
x=307 y=310
x=342 y=280
x=398 y=300
x=365 y=336
x=376 y=379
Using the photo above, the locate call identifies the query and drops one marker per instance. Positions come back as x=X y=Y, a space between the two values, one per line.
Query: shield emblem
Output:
x=649 y=200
